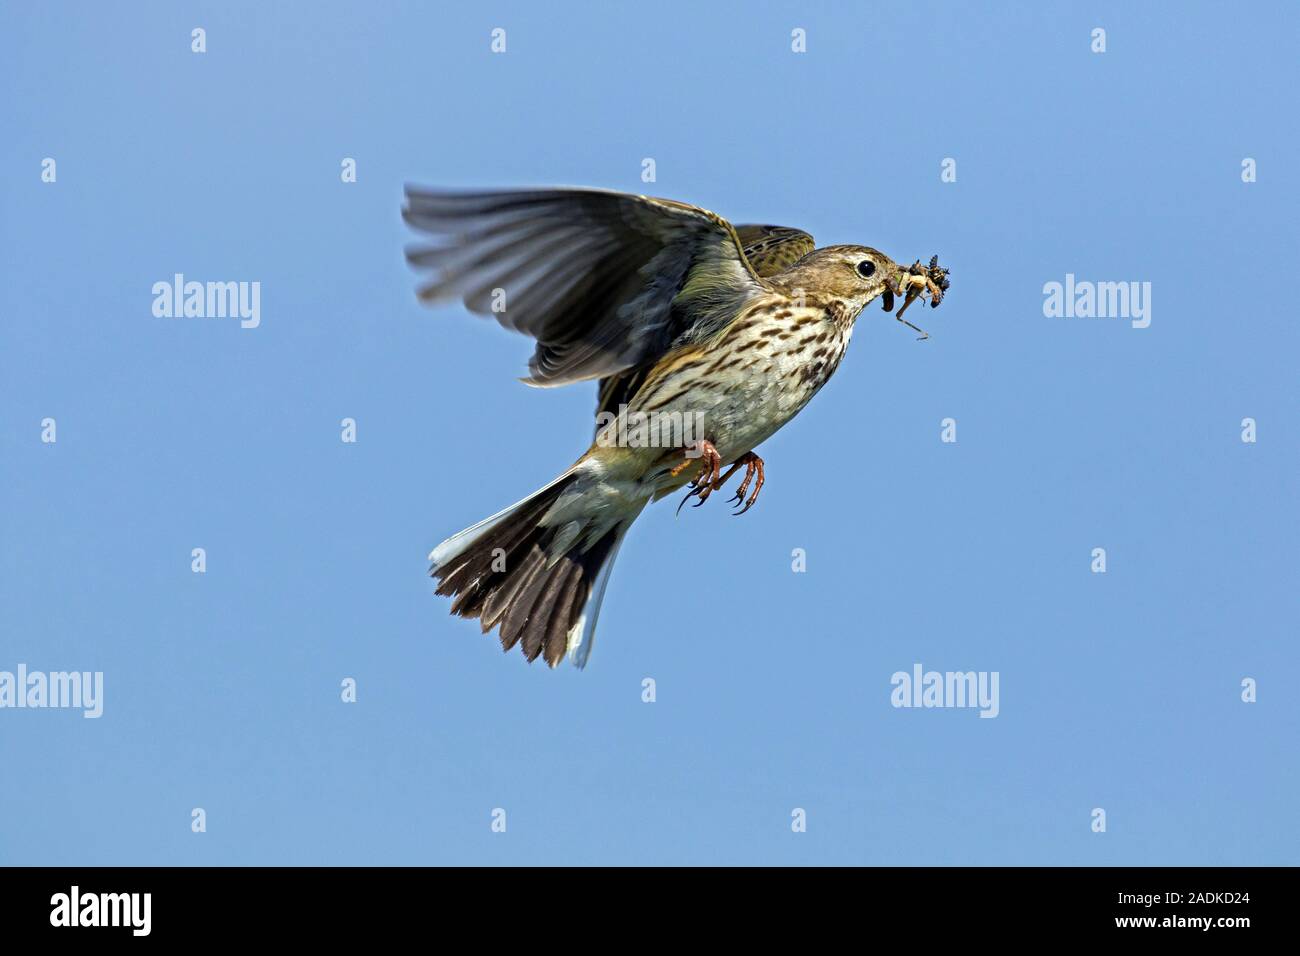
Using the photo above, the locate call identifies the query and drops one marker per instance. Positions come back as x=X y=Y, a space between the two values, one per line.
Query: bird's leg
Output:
x=704 y=483
x=717 y=483
x=753 y=467
x=703 y=488
x=703 y=448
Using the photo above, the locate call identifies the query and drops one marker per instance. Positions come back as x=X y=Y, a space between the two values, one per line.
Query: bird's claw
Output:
x=706 y=482
x=702 y=489
x=753 y=469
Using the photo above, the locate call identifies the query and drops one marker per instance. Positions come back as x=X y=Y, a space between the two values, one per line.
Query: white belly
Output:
x=751 y=382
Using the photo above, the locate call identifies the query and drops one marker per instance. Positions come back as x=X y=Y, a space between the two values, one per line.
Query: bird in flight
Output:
x=681 y=318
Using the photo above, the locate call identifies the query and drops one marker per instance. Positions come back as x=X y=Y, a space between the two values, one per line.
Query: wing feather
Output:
x=767 y=249
x=603 y=281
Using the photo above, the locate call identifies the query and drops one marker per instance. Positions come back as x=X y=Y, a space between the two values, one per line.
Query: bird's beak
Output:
x=893 y=286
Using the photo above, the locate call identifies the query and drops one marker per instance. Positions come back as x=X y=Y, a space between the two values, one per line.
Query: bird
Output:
x=675 y=313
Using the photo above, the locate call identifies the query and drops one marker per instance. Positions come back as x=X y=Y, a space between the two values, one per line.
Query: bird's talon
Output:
x=710 y=480
x=753 y=472
x=703 y=483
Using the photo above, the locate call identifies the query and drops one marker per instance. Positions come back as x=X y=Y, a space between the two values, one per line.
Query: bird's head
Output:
x=857 y=275
x=853 y=274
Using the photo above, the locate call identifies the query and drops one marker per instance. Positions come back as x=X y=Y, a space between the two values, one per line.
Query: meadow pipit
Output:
x=681 y=317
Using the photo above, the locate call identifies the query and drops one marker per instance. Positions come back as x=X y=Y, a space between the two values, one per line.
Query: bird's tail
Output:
x=538 y=569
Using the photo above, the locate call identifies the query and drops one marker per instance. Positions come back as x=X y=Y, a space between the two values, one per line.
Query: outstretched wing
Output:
x=769 y=250
x=603 y=281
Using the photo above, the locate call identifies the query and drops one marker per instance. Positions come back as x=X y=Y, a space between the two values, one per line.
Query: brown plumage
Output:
x=505 y=580
x=685 y=320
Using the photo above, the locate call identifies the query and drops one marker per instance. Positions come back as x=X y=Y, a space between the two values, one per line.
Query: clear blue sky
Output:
x=222 y=690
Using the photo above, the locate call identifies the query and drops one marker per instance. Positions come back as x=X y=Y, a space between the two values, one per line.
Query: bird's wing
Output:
x=618 y=389
x=769 y=250
x=603 y=281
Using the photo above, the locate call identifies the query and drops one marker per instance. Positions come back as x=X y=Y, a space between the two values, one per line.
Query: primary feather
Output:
x=603 y=281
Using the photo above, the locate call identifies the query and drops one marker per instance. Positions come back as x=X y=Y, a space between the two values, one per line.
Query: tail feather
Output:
x=541 y=583
x=583 y=631
x=456 y=545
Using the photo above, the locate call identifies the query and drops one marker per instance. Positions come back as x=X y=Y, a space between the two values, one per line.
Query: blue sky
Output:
x=1119 y=691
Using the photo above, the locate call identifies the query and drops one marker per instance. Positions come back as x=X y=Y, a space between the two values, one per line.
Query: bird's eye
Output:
x=866 y=268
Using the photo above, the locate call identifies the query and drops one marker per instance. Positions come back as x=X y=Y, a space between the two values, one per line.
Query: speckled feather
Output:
x=678 y=313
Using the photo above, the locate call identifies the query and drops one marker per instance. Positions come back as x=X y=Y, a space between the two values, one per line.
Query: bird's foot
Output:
x=702 y=484
x=753 y=469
